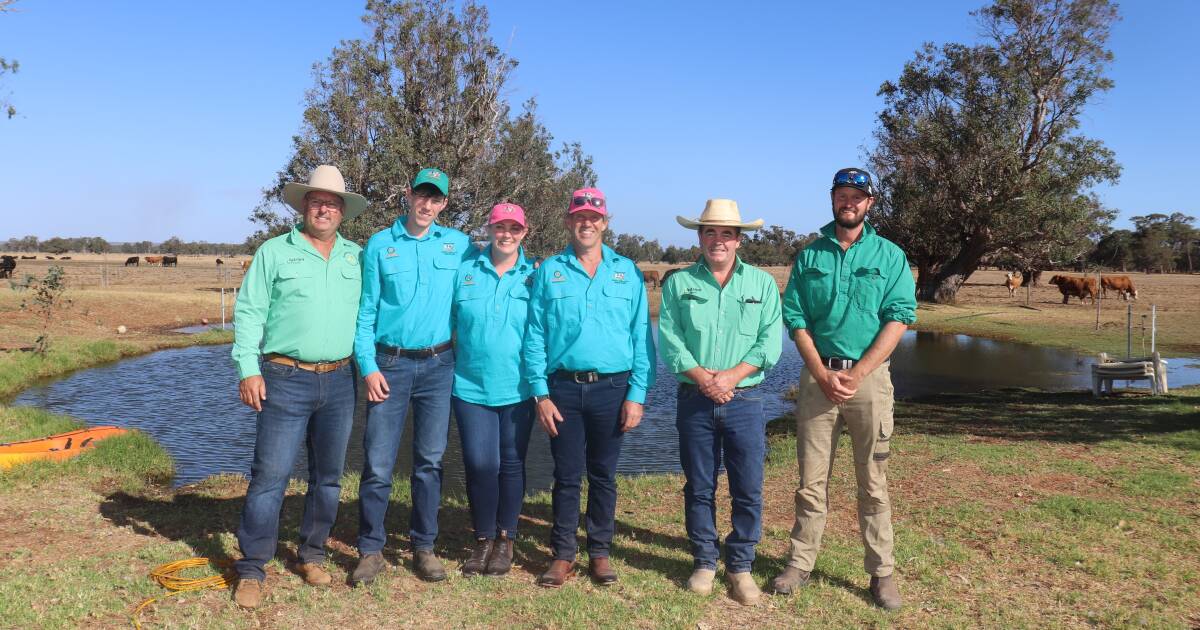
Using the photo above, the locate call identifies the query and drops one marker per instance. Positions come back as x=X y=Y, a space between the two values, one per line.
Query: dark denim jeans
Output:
x=301 y=407
x=589 y=438
x=736 y=429
x=494 y=442
x=425 y=385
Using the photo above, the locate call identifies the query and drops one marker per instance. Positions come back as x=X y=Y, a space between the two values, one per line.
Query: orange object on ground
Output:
x=61 y=446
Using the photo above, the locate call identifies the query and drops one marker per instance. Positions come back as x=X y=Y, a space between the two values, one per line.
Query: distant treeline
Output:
x=767 y=247
x=98 y=245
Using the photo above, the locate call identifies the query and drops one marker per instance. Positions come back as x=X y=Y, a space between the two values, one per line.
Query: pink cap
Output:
x=588 y=199
x=507 y=212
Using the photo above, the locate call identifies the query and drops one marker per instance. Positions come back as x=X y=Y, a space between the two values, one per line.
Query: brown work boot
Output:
x=248 y=593
x=884 y=593
x=602 y=571
x=314 y=574
x=479 y=558
x=369 y=567
x=701 y=581
x=427 y=566
x=742 y=588
x=559 y=572
x=790 y=580
x=501 y=559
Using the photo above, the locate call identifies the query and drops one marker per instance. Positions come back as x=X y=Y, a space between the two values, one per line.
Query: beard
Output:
x=850 y=223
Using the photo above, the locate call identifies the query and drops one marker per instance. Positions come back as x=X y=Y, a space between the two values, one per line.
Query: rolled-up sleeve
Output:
x=794 y=316
x=250 y=315
x=900 y=299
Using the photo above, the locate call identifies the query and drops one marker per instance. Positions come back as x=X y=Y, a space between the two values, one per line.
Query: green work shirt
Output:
x=702 y=324
x=844 y=297
x=295 y=303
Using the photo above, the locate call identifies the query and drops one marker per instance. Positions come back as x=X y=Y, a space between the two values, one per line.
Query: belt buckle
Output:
x=588 y=377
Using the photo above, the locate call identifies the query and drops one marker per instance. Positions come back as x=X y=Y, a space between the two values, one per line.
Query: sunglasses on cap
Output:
x=852 y=178
x=595 y=202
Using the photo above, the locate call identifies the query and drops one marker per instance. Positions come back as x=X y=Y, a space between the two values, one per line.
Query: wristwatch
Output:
x=538 y=399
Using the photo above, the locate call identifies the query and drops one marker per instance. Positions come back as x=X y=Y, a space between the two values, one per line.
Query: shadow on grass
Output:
x=1030 y=414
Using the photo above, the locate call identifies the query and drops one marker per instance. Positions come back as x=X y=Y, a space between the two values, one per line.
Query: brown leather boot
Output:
x=742 y=588
x=602 y=571
x=559 y=572
x=369 y=567
x=427 y=566
x=790 y=580
x=501 y=559
x=248 y=593
x=884 y=593
x=314 y=574
x=479 y=557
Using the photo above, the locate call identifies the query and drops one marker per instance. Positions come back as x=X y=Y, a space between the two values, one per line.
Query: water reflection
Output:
x=186 y=399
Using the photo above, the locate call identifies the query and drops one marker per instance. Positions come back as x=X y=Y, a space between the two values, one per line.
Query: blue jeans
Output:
x=589 y=437
x=425 y=384
x=301 y=407
x=494 y=442
x=736 y=429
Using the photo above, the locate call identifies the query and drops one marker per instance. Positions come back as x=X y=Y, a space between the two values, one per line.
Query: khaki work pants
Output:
x=819 y=424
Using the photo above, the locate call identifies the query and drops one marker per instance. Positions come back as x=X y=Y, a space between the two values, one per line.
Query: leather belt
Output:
x=694 y=387
x=585 y=377
x=837 y=363
x=420 y=353
x=320 y=367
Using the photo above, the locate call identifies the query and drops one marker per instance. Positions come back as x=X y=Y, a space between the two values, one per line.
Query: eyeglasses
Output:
x=852 y=178
x=595 y=202
x=317 y=204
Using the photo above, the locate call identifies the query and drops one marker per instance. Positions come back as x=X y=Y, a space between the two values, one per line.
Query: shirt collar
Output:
x=830 y=231
x=297 y=239
x=484 y=259
x=400 y=230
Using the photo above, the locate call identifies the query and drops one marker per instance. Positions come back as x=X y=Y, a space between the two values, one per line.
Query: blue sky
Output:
x=142 y=120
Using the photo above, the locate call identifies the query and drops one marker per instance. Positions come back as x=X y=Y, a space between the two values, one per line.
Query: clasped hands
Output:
x=838 y=386
x=717 y=385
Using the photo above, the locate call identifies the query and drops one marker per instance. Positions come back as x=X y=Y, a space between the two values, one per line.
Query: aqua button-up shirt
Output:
x=488 y=319
x=845 y=297
x=701 y=323
x=580 y=323
x=407 y=286
x=294 y=302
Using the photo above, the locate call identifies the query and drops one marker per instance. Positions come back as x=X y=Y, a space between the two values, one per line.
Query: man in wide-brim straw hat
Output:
x=719 y=332
x=295 y=318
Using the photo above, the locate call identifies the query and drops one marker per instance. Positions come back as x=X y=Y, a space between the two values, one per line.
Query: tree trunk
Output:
x=942 y=285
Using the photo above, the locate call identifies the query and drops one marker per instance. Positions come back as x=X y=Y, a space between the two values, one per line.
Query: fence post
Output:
x=1153 y=326
x=1096 y=299
x=1128 y=331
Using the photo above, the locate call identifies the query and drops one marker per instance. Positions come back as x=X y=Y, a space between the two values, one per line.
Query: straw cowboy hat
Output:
x=721 y=212
x=328 y=179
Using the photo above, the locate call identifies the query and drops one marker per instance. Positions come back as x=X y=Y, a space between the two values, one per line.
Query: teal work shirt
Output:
x=845 y=297
x=580 y=323
x=488 y=319
x=407 y=286
x=702 y=324
x=296 y=303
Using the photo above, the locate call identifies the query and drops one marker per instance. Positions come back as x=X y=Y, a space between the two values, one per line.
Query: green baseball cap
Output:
x=434 y=176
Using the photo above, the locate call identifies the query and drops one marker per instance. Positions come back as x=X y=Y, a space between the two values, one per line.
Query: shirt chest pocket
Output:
x=351 y=283
x=694 y=311
x=518 y=305
x=816 y=289
x=446 y=264
x=750 y=316
x=471 y=310
x=563 y=305
x=616 y=309
x=868 y=289
x=293 y=282
x=399 y=277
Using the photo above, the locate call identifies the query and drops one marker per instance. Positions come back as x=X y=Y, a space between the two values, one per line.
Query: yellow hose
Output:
x=168 y=577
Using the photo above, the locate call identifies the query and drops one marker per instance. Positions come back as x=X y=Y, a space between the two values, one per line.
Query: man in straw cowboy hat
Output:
x=404 y=352
x=718 y=331
x=850 y=297
x=295 y=332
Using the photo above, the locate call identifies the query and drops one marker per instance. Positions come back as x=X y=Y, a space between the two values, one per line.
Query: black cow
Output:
x=170 y=261
x=220 y=262
x=29 y=258
x=132 y=260
x=7 y=264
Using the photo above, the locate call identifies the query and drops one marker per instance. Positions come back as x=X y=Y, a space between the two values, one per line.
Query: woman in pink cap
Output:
x=491 y=396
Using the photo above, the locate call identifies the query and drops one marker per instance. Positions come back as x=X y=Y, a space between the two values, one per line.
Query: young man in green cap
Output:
x=404 y=352
x=718 y=331
x=850 y=298
x=295 y=331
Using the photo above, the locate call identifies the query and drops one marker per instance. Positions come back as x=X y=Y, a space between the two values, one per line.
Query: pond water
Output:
x=186 y=399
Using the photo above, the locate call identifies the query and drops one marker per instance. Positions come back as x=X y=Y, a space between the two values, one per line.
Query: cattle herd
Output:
x=1071 y=286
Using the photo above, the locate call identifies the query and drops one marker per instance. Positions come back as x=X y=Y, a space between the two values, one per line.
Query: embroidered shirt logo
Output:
x=351 y=259
x=558 y=277
x=618 y=276
x=447 y=248
x=469 y=280
x=391 y=252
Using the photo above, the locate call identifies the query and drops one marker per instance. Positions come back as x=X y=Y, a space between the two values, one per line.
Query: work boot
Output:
x=479 y=558
x=884 y=593
x=314 y=574
x=701 y=581
x=427 y=566
x=248 y=593
x=501 y=559
x=369 y=566
x=601 y=571
x=559 y=572
x=790 y=580
x=742 y=588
